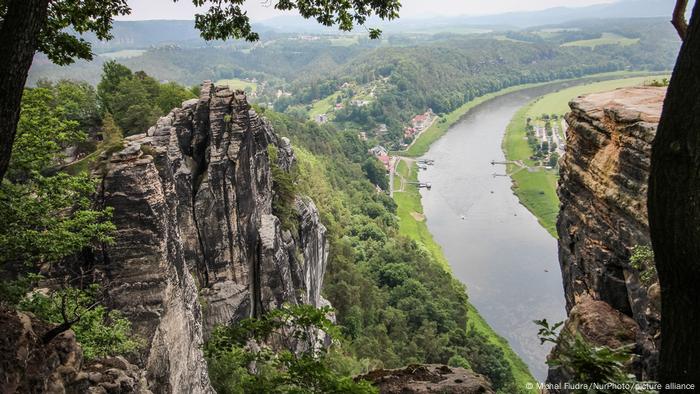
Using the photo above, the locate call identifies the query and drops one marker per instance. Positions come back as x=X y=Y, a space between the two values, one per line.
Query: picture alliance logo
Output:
x=637 y=386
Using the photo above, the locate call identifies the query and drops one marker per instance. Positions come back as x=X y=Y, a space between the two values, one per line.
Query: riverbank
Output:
x=536 y=186
x=413 y=221
x=422 y=143
x=412 y=224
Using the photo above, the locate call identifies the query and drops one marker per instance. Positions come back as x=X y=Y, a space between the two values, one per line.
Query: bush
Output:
x=284 y=193
x=237 y=367
x=587 y=363
x=100 y=332
x=642 y=260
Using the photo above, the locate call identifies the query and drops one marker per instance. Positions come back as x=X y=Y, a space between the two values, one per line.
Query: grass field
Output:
x=605 y=39
x=324 y=106
x=238 y=84
x=409 y=201
x=558 y=102
x=344 y=41
x=124 y=54
x=536 y=190
x=440 y=127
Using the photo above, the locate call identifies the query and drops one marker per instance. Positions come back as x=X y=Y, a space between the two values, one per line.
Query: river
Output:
x=495 y=246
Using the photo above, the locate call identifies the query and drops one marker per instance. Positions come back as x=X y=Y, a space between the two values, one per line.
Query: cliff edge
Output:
x=197 y=242
x=603 y=216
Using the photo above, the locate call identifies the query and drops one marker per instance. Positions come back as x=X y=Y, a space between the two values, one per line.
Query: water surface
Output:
x=494 y=245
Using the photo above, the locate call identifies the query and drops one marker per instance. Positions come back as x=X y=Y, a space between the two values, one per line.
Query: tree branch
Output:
x=678 y=20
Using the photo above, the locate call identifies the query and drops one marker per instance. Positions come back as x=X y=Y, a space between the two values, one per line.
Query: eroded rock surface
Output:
x=428 y=378
x=603 y=189
x=197 y=242
x=28 y=365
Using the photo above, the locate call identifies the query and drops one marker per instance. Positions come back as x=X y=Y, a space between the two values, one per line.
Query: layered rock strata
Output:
x=197 y=242
x=27 y=365
x=603 y=189
x=428 y=378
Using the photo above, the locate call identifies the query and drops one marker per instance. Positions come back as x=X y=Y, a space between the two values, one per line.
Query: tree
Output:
x=113 y=73
x=28 y=26
x=674 y=214
x=375 y=172
x=101 y=332
x=46 y=218
x=171 y=95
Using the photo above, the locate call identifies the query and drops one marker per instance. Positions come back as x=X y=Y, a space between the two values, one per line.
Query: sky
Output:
x=261 y=9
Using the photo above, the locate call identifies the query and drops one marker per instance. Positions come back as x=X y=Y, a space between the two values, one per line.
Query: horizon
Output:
x=260 y=11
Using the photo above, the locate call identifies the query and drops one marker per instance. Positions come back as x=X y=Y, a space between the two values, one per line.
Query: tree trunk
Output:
x=674 y=215
x=19 y=36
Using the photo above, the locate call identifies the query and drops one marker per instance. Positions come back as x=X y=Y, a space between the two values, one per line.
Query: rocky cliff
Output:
x=27 y=365
x=603 y=188
x=197 y=242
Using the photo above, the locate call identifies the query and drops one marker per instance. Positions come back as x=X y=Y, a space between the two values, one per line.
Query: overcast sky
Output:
x=260 y=9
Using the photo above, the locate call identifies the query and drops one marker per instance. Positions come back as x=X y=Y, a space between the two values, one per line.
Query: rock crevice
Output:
x=603 y=188
x=197 y=241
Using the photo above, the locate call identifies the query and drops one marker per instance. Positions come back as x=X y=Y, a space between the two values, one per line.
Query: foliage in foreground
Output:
x=590 y=364
x=48 y=217
x=642 y=260
x=100 y=332
x=240 y=361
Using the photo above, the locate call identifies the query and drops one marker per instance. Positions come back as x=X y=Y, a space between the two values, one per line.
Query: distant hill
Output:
x=149 y=33
x=504 y=21
x=619 y=9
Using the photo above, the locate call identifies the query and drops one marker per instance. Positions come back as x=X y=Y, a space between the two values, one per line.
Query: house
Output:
x=323 y=118
x=378 y=151
x=362 y=136
x=409 y=132
x=422 y=121
x=339 y=106
x=386 y=160
x=382 y=129
x=359 y=103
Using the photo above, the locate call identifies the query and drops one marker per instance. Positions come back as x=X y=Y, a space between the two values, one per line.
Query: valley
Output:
x=333 y=200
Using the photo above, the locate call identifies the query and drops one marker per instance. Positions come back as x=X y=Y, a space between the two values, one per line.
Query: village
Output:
x=545 y=135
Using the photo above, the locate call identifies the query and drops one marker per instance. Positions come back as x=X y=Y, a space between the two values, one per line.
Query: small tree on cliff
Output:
x=28 y=26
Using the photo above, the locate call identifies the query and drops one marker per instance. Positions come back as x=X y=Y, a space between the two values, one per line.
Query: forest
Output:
x=393 y=303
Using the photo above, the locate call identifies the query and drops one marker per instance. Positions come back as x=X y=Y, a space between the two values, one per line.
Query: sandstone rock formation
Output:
x=197 y=242
x=29 y=366
x=603 y=188
x=428 y=378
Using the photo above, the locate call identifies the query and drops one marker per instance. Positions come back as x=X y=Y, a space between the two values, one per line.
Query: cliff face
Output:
x=27 y=365
x=197 y=242
x=603 y=188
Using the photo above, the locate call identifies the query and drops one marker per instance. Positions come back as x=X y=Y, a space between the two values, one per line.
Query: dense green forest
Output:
x=395 y=304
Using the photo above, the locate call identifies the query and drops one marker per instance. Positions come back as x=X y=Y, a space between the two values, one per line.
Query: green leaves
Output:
x=136 y=100
x=229 y=355
x=81 y=16
x=642 y=260
x=42 y=132
x=227 y=19
x=586 y=362
x=100 y=332
x=47 y=217
x=546 y=332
